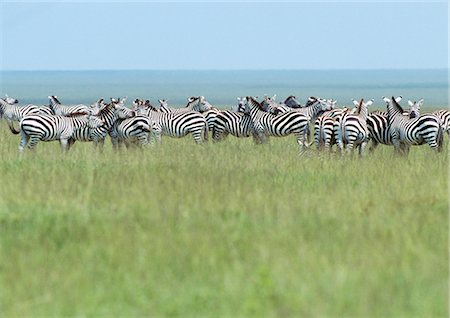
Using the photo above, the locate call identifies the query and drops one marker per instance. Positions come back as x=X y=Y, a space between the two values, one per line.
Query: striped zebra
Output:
x=350 y=130
x=198 y=104
x=405 y=131
x=64 y=110
x=235 y=123
x=35 y=128
x=322 y=129
x=443 y=114
x=12 y=112
x=379 y=128
x=109 y=114
x=313 y=108
x=266 y=124
x=174 y=125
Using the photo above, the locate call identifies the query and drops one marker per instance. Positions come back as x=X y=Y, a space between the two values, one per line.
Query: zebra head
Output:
x=414 y=108
x=123 y=112
x=393 y=106
x=94 y=122
x=119 y=101
x=204 y=105
x=250 y=103
x=292 y=102
x=311 y=101
x=240 y=106
x=326 y=104
x=97 y=107
x=199 y=104
x=269 y=105
x=163 y=103
x=10 y=100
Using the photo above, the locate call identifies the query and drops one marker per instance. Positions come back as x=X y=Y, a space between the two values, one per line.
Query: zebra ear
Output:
x=420 y=102
x=355 y=102
x=274 y=97
x=410 y=103
x=370 y=102
x=399 y=99
x=387 y=100
x=191 y=99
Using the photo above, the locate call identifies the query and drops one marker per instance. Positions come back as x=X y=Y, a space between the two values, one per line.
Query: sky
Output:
x=223 y=36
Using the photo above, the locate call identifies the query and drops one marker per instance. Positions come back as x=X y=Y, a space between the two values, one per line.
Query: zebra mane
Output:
x=358 y=111
x=77 y=114
x=397 y=105
x=254 y=102
x=104 y=109
x=55 y=99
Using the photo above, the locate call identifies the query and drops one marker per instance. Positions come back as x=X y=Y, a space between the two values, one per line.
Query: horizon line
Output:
x=229 y=70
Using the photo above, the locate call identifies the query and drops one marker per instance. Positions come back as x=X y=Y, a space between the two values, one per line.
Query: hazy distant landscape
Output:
x=222 y=87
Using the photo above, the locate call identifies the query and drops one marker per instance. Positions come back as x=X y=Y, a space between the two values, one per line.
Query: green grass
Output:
x=222 y=230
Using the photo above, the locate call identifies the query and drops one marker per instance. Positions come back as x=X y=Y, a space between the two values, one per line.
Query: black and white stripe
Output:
x=175 y=124
x=266 y=124
x=405 y=131
x=65 y=110
x=350 y=130
x=35 y=128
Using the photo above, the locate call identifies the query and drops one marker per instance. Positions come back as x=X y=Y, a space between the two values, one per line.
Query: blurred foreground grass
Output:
x=222 y=230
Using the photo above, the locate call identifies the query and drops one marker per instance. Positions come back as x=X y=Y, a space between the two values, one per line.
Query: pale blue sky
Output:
x=80 y=36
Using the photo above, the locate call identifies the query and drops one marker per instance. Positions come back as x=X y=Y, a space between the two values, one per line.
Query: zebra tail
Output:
x=440 y=137
x=11 y=127
x=205 y=131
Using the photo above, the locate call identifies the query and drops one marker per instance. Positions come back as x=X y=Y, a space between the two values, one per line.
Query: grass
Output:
x=222 y=230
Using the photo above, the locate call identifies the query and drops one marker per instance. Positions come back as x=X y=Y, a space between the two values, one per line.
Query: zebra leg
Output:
x=24 y=138
x=197 y=135
x=64 y=143
x=33 y=142
x=349 y=147
x=373 y=146
x=362 y=146
x=70 y=143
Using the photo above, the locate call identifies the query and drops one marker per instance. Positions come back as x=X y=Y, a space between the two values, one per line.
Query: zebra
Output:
x=37 y=127
x=234 y=122
x=266 y=124
x=324 y=127
x=384 y=112
x=405 y=132
x=350 y=130
x=174 y=124
x=379 y=128
x=12 y=112
x=64 y=110
x=109 y=114
x=443 y=114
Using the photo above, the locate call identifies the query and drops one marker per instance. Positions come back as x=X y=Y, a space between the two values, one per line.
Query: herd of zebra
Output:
x=347 y=128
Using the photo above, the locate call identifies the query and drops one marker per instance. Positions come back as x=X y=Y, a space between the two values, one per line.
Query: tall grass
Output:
x=221 y=230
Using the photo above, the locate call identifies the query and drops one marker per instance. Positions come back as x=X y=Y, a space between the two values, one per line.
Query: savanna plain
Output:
x=222 y=229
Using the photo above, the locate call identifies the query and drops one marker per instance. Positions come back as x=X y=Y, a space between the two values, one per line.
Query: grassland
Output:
x=222 y=230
